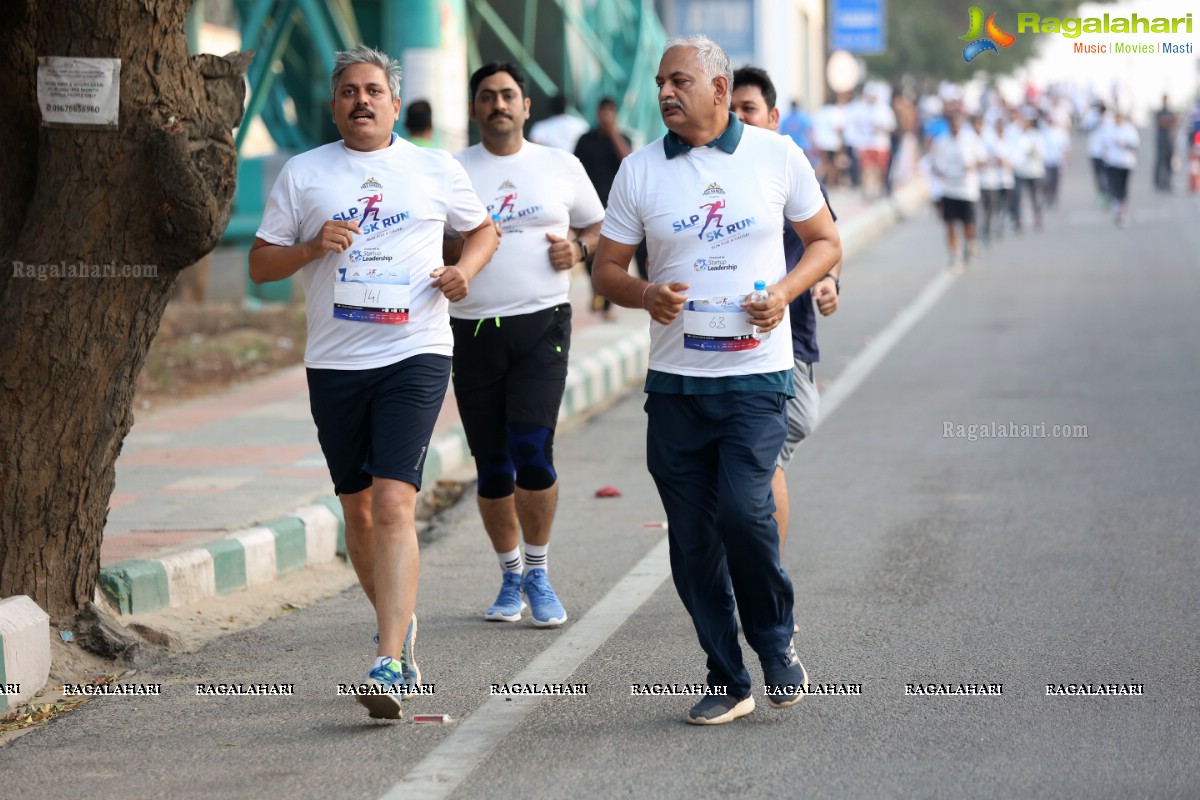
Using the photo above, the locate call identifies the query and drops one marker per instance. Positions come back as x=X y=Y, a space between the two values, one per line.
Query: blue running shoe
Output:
x=543 y=603
x=408 y=661
x=383 y=687
x=509 y=604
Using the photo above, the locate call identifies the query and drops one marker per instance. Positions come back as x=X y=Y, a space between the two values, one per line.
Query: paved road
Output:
x=918 y=558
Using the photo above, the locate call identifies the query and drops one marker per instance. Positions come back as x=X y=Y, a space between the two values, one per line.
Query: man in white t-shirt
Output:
x=512 y=334
x=1056 y=146
x=560 y=130
x=1121 y=143
x=362 y=220
x=956 y=158
x=1029 y=168
x=717 y=388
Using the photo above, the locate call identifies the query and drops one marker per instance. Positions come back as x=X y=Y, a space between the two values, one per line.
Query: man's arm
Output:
x=822 y=253
x=611 y=279
x=478 y=246
x=273 y=262
x=620 y=143
x=825 y=292
x=566 y=253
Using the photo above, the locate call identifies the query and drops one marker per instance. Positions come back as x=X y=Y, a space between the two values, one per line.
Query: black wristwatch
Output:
x=836 y=283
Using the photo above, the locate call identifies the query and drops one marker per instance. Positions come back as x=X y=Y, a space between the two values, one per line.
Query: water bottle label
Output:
x=718 y=324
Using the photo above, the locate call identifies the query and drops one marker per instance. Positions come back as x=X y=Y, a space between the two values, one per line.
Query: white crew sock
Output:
x=536 y=557
x=511 y=561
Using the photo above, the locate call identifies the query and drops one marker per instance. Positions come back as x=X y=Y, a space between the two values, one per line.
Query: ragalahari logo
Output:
x=994 y=36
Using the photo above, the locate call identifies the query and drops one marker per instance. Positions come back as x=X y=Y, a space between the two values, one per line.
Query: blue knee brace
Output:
x=496 y=475
x=532 y=450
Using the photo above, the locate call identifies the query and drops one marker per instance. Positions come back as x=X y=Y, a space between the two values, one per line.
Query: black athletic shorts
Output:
x=509 y=369
x=955 y=210
x=377 y=422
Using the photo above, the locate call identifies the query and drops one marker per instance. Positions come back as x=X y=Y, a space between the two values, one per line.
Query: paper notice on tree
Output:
x=79 y=91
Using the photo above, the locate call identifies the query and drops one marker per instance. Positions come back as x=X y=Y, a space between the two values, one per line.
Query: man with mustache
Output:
x=716 y=395
x=513 y=333
x=379 y=342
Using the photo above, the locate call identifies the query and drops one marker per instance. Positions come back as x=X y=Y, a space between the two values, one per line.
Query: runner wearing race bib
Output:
x=362 y=221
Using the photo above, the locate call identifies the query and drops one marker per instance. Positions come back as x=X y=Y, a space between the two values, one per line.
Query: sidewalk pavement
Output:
x=231 y=490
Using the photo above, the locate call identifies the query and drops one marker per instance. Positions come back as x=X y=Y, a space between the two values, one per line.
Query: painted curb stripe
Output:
x=229 y=565
x=258 y=544
x=291 y=552
x=335 y=507
x=320 y=533
x=136 y=586
x=190 y=576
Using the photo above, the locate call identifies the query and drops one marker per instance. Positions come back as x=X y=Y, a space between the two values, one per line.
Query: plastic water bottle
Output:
x=760 y=293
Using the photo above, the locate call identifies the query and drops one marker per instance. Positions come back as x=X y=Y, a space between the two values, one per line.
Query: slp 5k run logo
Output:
x=994 y=36
x=712 y=222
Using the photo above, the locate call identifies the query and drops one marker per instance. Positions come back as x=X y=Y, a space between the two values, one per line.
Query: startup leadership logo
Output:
x=994 y=36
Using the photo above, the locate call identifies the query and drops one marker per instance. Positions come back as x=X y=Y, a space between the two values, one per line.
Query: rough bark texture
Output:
x=155 y=192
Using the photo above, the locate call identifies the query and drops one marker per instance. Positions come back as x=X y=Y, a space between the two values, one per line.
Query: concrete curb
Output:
x=866 y=227
x=316 y=534
x=310 y=535
x=24 y=650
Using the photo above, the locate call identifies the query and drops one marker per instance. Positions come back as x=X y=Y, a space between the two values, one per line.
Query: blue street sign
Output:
x=859 y=26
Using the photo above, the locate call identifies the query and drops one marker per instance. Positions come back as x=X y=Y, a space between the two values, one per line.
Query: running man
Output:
x=512 y=335
x=716 y=411
x=377 y=369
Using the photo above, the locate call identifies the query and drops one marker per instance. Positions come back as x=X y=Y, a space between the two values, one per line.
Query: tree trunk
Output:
x=128 y=209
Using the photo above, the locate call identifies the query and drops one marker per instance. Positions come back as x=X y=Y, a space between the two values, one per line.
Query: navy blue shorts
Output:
x=510 y=369
x=377 y=422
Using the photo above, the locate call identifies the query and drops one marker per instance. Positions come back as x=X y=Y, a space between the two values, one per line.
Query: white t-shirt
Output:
x=535 y=191
x=1121 y=145
x=883 y=122
x=957 y=160
x=997 y=174
x=1096 y=124
x=859 y=126
x=1055 y=145
x=827 y=127
x=711 y=220
x=562 y=131
x=1028 y=154
x=374 y=304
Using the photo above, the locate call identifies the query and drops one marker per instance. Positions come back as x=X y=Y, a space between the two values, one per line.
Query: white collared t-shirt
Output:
x=374 y=304
x=711 y=219
x=535 y=191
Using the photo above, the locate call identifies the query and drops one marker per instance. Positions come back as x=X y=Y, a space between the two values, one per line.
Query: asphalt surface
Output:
x=917 y=557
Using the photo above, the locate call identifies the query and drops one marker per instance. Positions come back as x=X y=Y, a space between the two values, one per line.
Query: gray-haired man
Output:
x=716 y=392
x=362 y=220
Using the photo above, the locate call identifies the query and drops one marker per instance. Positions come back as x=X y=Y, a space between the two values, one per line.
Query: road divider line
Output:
x=863 y=364
x=440 y=772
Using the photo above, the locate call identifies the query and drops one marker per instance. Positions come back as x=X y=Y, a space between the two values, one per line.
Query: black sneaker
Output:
x=717 y=709
x=786 y=684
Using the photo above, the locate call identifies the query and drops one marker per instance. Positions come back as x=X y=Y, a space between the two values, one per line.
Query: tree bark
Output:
x=149 y=199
